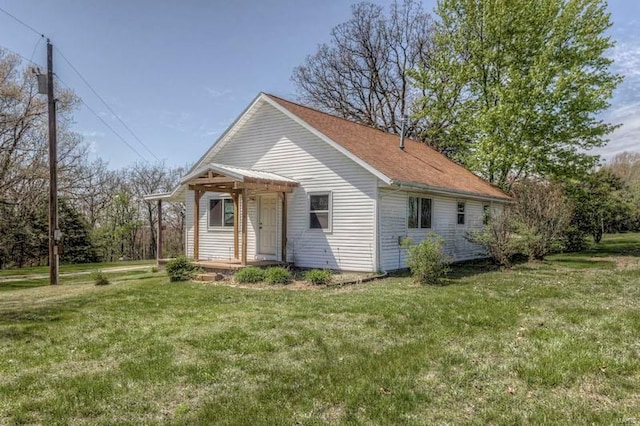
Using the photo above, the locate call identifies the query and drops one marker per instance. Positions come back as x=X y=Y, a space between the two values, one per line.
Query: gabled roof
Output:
x=238 y=173
x=418 y=165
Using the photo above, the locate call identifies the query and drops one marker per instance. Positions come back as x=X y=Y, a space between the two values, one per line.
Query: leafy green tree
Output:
x=598 y=202
x=518 y=85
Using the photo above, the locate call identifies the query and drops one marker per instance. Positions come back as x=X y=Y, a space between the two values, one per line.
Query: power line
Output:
x=104 y=121
x=107 y=105
x=22 y=56
x=21 y=22
x=33 y=53
x=88 y=85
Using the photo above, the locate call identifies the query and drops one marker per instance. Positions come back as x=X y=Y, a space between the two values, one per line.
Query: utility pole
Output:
x=54 y=232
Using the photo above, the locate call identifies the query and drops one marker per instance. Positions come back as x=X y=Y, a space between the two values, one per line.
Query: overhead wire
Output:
x=21 y=22
x=104 y=122
x=29 y=27
x=106 y=104
x=18 y=54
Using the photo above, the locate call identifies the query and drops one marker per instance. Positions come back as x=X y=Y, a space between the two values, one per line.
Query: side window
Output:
x=220 y=212
x=419 y=213
x=320 y=211
x=425 y=213
x=460 y=213
x=412 y=219
x=486 y=214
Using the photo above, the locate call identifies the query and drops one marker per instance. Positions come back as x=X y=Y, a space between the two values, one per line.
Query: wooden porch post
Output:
x=283 y=256
x=196 y=225
x=236 y=222
x=159 y=236
x=243 y=261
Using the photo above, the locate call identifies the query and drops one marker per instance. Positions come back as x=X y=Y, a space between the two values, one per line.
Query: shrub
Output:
x=154 y=269
x=100 y=278
x=277 y=275
x=542 y=214
x=250 y=274
x=318 y=276
x=575 y=239
x=181 y=269
x=426 y=260
x=497 y=238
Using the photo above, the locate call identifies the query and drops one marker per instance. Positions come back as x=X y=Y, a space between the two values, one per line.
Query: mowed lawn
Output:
x=556 y=342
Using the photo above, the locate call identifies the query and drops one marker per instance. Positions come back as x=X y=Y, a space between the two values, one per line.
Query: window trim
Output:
x=419 y=211
x=329 y=228
x=463 y=213
x=486 y=214
x=222 y=226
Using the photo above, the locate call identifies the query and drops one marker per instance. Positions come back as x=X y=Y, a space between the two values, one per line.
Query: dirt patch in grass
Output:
x=298 y=282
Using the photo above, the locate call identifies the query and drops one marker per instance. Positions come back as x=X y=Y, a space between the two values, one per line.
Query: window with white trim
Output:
x=461 y=206
x=419 y=213
x=320 y=210
x=486 y=214
x=220 y=212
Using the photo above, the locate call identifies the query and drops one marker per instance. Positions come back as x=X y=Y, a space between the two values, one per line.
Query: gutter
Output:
x=443 y=191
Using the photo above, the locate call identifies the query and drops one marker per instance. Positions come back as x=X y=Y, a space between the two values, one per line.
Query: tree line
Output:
x=514 y=90
x=102 y=213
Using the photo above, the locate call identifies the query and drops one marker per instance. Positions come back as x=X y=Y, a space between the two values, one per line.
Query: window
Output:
x=486 y=214
x=460 y=213
x=220 y=212
x=320 y=211
x=419 y=213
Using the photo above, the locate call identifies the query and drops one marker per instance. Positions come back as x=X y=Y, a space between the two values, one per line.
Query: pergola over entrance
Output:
x=236 y=181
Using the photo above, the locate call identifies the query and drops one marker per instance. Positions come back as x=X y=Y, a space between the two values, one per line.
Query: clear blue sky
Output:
x=179 y=72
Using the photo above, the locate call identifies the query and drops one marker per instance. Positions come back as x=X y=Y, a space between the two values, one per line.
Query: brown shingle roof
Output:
x=416 y=164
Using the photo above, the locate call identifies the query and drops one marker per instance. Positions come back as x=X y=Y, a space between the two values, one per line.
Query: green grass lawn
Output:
x=546 y=343
x=79 y=267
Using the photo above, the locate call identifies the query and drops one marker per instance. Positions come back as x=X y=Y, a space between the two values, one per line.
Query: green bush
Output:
x=181 y=269
x=277 y=275
x=250 y=274
x=318 y=276
x=575 y=239
x=498 y=239
x=100 y=278
x=426 y=260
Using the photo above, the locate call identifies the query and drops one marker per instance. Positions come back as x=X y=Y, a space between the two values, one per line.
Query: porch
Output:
x=242 y=186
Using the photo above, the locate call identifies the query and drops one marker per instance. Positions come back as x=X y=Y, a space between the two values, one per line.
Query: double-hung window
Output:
x=220 y=212
x=486 y=214
x=461 y=207
x=419 y=213
x=320 y=211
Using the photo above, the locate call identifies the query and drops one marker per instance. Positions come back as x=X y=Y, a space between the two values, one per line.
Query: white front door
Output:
x=267 y=225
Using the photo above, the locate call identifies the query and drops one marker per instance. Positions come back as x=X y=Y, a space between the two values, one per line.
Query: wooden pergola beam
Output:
x=196 y=224
x=243 y=261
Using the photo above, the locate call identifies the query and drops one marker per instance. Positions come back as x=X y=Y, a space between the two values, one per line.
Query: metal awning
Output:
x=224 y=178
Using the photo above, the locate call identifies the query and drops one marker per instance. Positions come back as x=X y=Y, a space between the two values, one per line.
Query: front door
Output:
x=268 y=228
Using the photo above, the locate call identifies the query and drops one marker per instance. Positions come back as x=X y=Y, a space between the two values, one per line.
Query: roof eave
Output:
x=449 y=191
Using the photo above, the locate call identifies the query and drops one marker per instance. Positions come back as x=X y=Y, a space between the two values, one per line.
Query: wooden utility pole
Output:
x=54 y=232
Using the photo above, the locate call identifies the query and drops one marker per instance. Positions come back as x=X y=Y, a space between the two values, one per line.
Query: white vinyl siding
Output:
x=271 y=141
x=444 y=222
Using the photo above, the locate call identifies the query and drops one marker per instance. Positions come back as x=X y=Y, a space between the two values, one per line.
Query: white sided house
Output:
x=291 y=184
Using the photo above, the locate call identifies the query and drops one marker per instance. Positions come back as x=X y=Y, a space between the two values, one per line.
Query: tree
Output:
x=518 y=85
x=599 y=203
x=361 y=74
x=542 y=214
x=77 y=244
